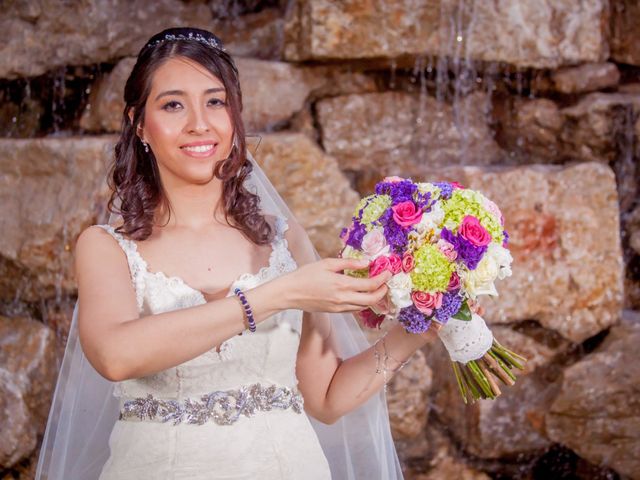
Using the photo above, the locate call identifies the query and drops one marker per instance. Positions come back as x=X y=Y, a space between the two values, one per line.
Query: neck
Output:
x=192 y=206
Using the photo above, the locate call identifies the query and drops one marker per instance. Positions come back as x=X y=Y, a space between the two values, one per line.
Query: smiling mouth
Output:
x=199 y=148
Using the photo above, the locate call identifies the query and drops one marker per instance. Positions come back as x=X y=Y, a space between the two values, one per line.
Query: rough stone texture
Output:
x=531 y=34
x=586 y=78
x=597 y=412
x=407 y=396
x=633 y=226
x=564 y=229
x=273 y=91
x=28 y=369
x=395 y=132
x=50 y=189
x=106 y=101
x=625 y=37
x=311 y=184
x=512 y=424
x=594 y=126
x=449 y=468
x=44 y=35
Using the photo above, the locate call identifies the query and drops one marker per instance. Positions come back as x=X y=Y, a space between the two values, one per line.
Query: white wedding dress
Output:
x=275 y=444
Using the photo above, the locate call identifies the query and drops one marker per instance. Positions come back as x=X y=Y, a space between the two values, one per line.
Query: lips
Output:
x=199 y=149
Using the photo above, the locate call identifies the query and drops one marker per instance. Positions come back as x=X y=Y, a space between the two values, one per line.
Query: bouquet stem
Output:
x=477 y=378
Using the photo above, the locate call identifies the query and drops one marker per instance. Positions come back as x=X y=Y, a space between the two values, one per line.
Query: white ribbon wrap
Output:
x=466 y=341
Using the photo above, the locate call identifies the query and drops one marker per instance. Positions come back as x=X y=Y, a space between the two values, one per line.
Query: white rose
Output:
x=502 y=257
x=480 y=281
x=431 y=220
x=400 y=286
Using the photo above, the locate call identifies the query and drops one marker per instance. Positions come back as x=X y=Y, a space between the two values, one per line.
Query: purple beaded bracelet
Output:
x=247 y=309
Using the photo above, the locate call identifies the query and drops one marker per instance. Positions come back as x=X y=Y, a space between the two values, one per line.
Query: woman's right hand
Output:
x=321 y=286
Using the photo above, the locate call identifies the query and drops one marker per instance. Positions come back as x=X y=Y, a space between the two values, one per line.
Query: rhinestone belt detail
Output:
x=222 y=407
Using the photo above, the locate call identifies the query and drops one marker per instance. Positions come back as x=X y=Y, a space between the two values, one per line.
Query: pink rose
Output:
x=395 y=263
x=454 y=282
x=369 y=318
x=393 y=179
x=407 y=263
x=457 y=185
x=406 y=214
x=474 y=232
x=447 y=249
x=426 y=302
x=379 y=265
x=373 y=242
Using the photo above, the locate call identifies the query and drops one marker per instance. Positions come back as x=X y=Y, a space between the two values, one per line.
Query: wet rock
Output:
x=106 y=101
x=525 y=34
x=625 y=38
x=57 y=34
x=596 y=413
x=407 y=395
x=511 y=425
x=50 y=189
x=595 y=125
x=565 y=242
x=311 y=184
x=273 y=91
x=398 y=133
x=586 y=78
x=28 y=371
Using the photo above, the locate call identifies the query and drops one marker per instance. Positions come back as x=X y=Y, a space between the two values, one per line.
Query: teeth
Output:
x=200 y=148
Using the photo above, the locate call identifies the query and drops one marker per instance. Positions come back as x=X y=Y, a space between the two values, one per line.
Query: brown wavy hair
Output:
x=134 y=176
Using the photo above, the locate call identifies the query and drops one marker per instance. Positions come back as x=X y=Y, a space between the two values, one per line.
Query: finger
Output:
x=366 y=300
x=370 y=284
x=340 y=264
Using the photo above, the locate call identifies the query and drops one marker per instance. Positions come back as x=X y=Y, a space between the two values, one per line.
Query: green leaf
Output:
x=464 y=313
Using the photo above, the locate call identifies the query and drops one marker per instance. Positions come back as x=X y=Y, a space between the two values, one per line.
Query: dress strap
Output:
x=281 y=226
x=137 y=266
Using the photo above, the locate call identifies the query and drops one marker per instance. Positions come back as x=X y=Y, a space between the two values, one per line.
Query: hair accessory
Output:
x=247 y=309
x=211 y=41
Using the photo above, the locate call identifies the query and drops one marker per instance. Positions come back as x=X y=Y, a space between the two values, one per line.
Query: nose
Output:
x=197 y=122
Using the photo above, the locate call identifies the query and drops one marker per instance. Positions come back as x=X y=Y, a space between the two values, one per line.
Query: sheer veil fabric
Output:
x=84 y=409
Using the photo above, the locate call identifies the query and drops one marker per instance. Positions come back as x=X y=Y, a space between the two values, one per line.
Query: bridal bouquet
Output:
x=445 y=245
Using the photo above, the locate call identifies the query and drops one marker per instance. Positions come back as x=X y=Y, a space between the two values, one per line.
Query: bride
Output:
x=208 y=340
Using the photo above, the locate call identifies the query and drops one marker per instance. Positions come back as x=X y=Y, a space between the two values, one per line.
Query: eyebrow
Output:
x=180 y=92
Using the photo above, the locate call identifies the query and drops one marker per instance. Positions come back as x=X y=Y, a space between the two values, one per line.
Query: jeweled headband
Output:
x=186 y=34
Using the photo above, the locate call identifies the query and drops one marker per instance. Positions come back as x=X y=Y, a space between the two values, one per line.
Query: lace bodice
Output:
x=266 y=356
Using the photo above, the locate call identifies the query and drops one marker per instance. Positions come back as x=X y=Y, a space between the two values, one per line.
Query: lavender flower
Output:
x=451 y=303
x=468 y=253
x=399 y=191
x=413 y=320
x=445 y=189
x=358 y=231
x=505 y=242
x=423 y=201
x=395 y=234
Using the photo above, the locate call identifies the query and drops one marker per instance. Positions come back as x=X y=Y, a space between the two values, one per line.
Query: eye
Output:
x=217 y=102
x=172 y=106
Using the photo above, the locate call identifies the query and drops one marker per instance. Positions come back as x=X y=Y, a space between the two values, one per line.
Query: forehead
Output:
x=180 y=73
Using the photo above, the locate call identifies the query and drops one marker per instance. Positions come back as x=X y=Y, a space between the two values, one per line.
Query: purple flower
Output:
x=399 y=191
x=423 y=201
x=413 y=320
x=395 y=234
x=445 y=189
x=358 y=231
x=505 y=242
x=451 y=303
x=468 y=253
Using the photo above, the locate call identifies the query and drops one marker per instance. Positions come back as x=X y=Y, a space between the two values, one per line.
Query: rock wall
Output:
x=534 y=103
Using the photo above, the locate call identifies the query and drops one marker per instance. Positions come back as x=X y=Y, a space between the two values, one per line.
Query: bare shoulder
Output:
x=299 y=242
x=95 y=239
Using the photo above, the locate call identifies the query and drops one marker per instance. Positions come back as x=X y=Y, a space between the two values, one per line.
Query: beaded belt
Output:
x=222 y=407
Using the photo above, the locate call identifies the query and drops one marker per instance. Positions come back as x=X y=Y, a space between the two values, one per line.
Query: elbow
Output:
x=110 y=369
x=326 y=414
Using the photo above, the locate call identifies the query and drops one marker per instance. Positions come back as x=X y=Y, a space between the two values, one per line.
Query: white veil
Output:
x=84 y=409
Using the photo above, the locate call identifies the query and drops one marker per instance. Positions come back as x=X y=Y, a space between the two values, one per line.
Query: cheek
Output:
x=161 y=130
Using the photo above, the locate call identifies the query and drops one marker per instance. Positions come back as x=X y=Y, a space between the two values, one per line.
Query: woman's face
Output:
x=187 y=124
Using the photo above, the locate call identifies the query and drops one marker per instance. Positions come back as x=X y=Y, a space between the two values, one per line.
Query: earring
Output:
x=234 y=144
x=146 y=146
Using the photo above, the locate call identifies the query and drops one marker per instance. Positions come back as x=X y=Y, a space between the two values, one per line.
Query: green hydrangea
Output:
x=468 y=202
x=425 y=187
x=373 y=207
x=432 y=270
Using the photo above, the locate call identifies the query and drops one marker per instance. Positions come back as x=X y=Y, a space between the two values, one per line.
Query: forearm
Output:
x=156 y=342
x=361 y=376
